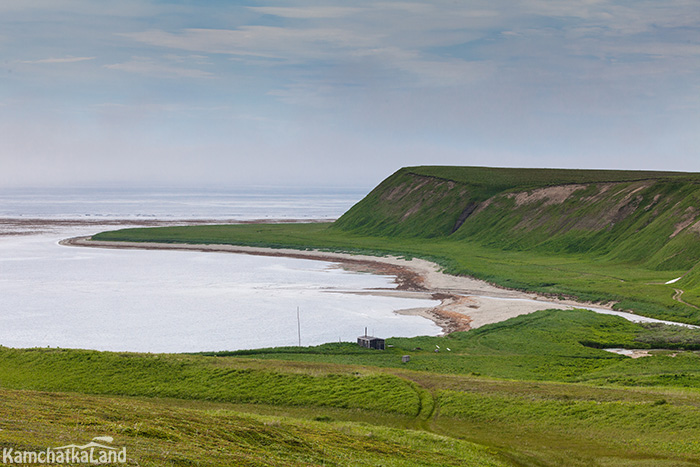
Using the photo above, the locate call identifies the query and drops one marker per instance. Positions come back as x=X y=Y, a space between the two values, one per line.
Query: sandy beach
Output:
x=465 y=303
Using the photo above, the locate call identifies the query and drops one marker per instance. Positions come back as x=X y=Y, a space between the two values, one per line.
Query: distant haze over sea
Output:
x=170 y=204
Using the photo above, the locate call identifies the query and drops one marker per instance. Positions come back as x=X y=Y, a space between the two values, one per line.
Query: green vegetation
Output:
x=161 y=432
x=505 y=178
x=527 y=390
x=669 y=337
x=189 y=377
x=427 y=202
x=599 y=236
x=554 y=345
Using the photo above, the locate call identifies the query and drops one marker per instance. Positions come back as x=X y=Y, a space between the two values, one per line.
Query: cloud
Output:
x=257 y=41
x=360 y=56
x=123 y=8
x=324 y=53
x=429 y=71
x=315 y=12
x=150 y=67
x=59 y=60
x=439 y=80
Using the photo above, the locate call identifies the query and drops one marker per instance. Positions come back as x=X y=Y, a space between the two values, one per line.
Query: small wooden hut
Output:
x=371 y=342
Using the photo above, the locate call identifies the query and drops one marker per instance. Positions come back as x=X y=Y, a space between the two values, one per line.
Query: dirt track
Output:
x=677 y=297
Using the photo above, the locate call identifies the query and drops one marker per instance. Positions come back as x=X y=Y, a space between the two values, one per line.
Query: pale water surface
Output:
x=175 y=301
x=168 y=204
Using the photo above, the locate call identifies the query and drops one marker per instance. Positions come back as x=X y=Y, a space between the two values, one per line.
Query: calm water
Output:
x=91 y=204
x=174 y=301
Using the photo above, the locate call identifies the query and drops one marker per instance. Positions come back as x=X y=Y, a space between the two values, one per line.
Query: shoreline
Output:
x=465 y=302
x=25 y=226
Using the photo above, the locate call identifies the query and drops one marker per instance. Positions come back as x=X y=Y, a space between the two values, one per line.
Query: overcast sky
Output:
x=295 y=92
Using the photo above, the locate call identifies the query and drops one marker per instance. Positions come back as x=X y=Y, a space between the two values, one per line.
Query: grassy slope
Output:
x=543 y=422
x=191 y=377
x=616 y=216
x=167 y=432
x=435 y=196
x=558 y=346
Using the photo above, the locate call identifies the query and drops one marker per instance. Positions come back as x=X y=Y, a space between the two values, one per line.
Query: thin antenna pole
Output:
x=298 y=327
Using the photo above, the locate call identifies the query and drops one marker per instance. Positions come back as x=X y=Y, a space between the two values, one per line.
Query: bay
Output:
x=175 y=301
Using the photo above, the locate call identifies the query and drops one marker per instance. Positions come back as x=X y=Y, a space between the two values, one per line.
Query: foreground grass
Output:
x=577 y=275
x=527 y=389
x=202 y=378
x=521 y=423
x=162 y=432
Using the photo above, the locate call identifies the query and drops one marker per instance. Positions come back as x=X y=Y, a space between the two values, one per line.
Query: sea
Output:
x=180 y=301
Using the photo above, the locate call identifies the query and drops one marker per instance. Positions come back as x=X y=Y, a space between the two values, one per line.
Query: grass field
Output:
x=557 y=346
x=526 y=390
x=157 y=432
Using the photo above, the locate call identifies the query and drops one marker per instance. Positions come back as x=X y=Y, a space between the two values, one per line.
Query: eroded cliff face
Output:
x=410 y=205
x=652 y=221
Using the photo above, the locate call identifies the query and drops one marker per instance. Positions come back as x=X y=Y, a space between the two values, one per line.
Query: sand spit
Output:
x=32 y=226
x=465 y=303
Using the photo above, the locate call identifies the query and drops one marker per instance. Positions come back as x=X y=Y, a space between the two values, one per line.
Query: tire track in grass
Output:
x=677 y=297
x=427 y=405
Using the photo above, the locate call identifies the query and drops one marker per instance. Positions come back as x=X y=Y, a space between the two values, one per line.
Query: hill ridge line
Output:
x=530 y=187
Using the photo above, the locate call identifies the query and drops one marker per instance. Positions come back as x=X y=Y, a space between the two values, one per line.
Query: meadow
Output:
x=533 y=390
x=158 y=432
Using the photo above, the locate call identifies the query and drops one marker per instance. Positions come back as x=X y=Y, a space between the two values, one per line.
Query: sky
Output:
x=341 y=94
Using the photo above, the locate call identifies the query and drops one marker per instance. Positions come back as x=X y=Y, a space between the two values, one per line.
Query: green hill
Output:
x=651 y=218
